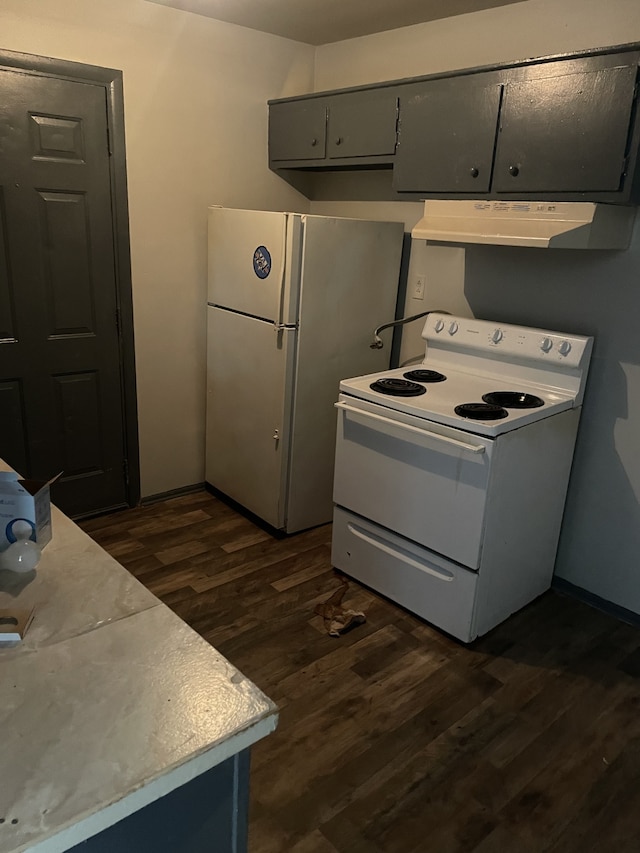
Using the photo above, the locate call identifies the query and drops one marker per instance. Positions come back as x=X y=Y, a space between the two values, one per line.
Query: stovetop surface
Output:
x=440 y=399
x=480 y=357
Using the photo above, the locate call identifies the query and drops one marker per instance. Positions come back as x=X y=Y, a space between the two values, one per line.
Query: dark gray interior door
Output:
x=61 y=403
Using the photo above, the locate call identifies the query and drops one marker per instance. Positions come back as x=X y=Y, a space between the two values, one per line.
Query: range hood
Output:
x=547 y=225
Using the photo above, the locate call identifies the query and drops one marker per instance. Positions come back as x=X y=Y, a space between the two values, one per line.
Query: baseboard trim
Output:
x=172 y=493
x=564 y=587
x=96 y=513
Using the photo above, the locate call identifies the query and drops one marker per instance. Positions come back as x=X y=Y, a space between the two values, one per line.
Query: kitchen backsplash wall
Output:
x=590 y=293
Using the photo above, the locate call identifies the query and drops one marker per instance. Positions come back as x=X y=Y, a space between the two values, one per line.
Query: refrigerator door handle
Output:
x=278 y=324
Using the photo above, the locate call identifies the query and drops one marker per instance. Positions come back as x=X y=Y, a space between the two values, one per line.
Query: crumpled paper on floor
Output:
x=338 y=619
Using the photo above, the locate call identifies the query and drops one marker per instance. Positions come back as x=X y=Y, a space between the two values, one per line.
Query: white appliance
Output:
x=450 y=500
x=292 y=302
x=538 y=224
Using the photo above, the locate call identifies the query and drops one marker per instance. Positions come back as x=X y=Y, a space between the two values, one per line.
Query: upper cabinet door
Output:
x=362 y=124
x=447 y=137
x=297 y=130
x=565 y=133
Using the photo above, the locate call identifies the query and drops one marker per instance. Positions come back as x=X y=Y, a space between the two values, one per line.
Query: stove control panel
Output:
x=505 y=341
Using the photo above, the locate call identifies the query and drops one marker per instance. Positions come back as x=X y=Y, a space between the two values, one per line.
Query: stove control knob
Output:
x=439 y=325
x=564 y=347
x=546 y=344
x=453 y=328
x=497 y=336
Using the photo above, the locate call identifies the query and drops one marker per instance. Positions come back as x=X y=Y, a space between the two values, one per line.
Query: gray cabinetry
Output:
x=298 y=130
x=447 y=136
x=565 y=133
x=343 y=126
x=558 y=128
x=207 y=814
x=362 y=124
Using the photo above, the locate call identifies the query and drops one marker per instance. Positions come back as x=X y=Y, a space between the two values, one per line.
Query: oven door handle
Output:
x=462 y=445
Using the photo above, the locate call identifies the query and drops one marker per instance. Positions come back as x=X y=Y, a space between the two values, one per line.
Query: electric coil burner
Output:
x=398 y=387
x=424 y=376
x=513 y=399
x=481 y=411
x=449 y=496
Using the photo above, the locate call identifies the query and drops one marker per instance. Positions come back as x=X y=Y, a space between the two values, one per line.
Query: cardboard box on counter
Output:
x=14 y=624
x=22 y=503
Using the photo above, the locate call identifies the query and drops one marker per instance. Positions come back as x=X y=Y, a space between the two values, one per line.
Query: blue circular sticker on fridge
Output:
x=261 y=262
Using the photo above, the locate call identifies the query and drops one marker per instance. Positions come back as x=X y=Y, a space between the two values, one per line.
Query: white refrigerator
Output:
x=293 y=301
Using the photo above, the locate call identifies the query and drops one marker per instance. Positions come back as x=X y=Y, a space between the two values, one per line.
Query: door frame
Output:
x=110 y=80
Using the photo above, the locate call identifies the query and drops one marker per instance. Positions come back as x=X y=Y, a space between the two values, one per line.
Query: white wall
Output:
x=196 y=134
x=594 y=293
x=530 y=28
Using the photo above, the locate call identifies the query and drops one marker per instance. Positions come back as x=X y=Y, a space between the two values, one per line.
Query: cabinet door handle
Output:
x=474 y=172
x=514 y=171
x=339 y=140
x=314 y=141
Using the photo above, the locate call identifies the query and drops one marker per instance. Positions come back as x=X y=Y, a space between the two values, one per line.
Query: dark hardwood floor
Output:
x=395 y=738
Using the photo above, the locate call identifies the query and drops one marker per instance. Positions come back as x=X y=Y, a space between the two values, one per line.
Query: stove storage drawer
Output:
x=427 y=585
x=422 y=480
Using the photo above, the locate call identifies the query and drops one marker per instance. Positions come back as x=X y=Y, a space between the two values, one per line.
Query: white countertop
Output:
x=110 y=702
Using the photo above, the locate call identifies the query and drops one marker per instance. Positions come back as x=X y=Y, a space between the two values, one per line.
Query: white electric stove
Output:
x=451 y=475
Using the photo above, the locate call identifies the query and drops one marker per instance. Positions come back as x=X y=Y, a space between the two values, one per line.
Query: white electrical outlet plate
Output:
x=418 y=287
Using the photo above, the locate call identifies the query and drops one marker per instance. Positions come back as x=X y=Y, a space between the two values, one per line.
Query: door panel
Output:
x=78 y=406
x=7 y=310
x=67 y=264
x=12 y=424
x=249 y=368
x=247 y=252
x=60 y=342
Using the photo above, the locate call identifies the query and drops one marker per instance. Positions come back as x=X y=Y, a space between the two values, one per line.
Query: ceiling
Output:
x=323 y=21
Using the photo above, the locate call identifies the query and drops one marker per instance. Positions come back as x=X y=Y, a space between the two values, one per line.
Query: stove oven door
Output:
x=425 y=481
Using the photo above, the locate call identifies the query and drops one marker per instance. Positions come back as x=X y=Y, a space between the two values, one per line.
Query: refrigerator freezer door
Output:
x=253 y=261
x=349 y=286
x=249 y=367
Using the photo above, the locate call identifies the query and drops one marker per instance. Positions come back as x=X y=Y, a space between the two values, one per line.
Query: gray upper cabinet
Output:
x=298 y=130
x=558 y=128
x=447 y=136
x=362 y=124
x=344 y=126
x=565 y=133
